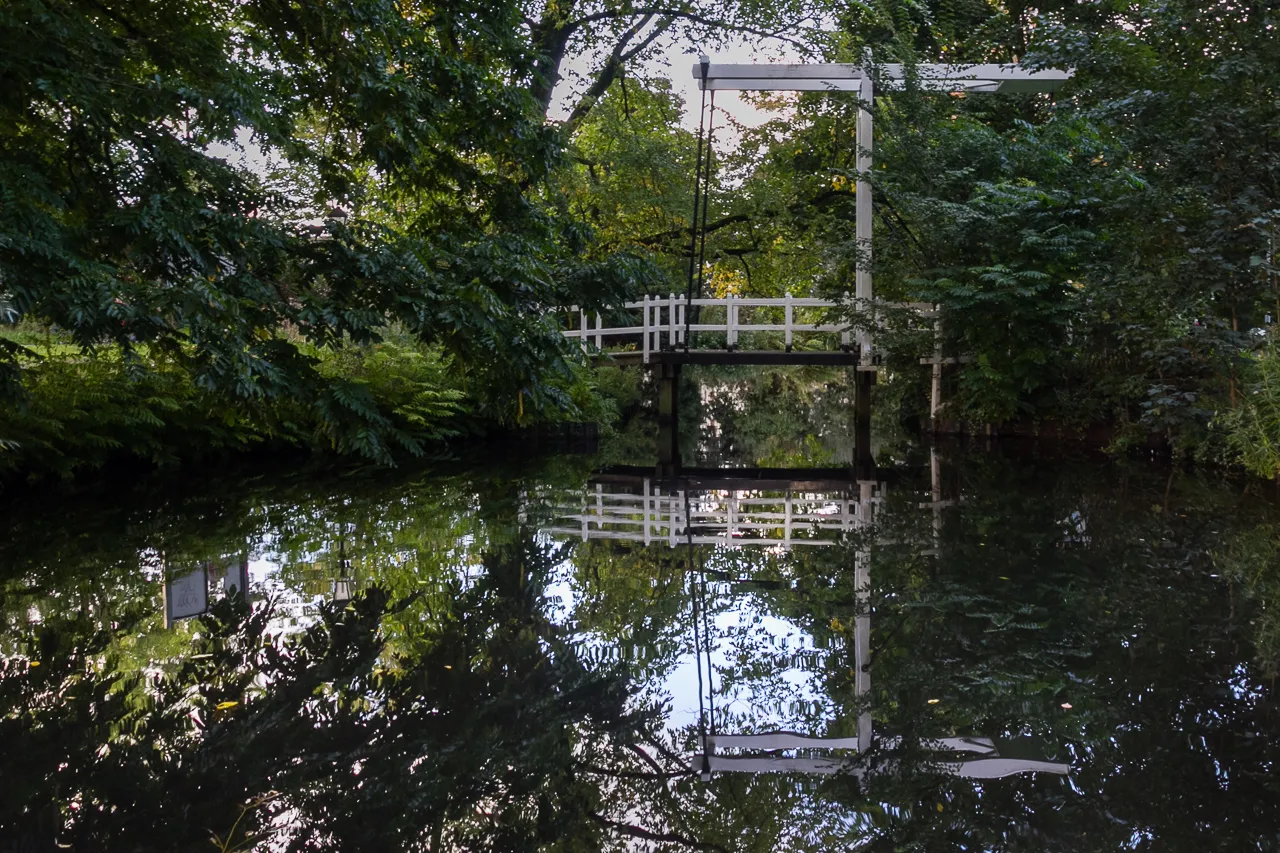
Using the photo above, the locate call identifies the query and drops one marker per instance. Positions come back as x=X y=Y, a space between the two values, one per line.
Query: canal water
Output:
x=999 y=648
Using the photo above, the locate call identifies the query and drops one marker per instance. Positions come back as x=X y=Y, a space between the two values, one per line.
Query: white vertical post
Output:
x=599 y=332
x=644 y=325
x=862 y=623
x=790 y=317
x=731 y=322
x=786 y=532
x=655 y=324
x=647 y=493
x=677 y=501
x=671 y=321
x=935 y=392
x=862 y=645
x=582 y=328
x=680 y=309
x=862 y=204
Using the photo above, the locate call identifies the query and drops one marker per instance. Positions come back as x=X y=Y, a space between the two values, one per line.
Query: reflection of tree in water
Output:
x=792 y=417
x=486 y=738
x=468 y=710
x=1096 y=614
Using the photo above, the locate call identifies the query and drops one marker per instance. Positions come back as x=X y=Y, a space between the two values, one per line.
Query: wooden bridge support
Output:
x=668 y=419
x=863 y=462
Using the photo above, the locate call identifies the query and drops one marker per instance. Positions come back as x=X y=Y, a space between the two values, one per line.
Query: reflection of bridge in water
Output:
x=966 y=757
x=734 y=509
x=782 y=509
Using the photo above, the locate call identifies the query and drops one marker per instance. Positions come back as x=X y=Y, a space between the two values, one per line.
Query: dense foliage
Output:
x=236 y=192
x=388 y=153
x=1101 y=256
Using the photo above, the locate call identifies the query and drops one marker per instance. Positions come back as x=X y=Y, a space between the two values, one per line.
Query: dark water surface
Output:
x=973 y=651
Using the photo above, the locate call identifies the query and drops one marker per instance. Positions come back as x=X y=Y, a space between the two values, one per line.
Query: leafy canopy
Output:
x=389 y=150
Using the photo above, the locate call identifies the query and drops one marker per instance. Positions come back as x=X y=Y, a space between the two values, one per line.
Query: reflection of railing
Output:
x=710 y=517
x=795 y=752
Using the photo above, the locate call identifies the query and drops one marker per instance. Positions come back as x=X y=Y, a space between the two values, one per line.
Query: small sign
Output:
x=187 y=590
x=233 y=575
x=186 y=596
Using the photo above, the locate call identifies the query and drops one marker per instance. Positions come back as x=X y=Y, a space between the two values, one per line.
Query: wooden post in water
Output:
x=863 y=378
x=668 y=418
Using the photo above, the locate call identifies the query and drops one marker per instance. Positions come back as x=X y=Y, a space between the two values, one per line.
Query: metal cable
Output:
x=706 y=194
x=711 y=685
x=697 y=199
x=697 y=642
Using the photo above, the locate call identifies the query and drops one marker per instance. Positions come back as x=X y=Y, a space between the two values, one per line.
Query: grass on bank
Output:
x=82 y=410
x=1253 y=427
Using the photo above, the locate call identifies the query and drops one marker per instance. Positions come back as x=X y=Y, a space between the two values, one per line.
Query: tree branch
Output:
x=640 y=832
x=633 y=774
x=648 y=759
x=653 y=240
x=692 y=17
x=613 y=67
x=657 y=239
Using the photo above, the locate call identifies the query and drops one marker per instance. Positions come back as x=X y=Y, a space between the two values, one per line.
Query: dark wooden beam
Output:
x=766 y=357
x=733 y=479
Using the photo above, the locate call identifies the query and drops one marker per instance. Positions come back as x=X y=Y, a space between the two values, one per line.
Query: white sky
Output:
x=675 y=61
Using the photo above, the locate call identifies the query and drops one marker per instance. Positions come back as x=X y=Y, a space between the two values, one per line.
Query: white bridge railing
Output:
x=710 y=518
x=661 y=321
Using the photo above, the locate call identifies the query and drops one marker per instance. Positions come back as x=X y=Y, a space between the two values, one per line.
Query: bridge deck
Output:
x=771 y=479
x=724 y=356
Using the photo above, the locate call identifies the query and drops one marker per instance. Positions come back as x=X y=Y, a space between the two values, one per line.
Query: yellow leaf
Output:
x=222 y=706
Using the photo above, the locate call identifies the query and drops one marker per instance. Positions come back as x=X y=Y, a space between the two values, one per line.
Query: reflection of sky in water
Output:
x=787 y=697
x=746 y=700
x=784 y=693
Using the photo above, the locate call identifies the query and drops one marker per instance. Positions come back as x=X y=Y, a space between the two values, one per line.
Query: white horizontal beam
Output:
x=781 y=71
x=981 y=768
x=835 y=77
x=999 y=768
x=661 y=534
x=779 y=740
x=792 y=740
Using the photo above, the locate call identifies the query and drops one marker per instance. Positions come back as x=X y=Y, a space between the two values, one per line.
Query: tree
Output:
x=401 y=147
x=618 y=33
